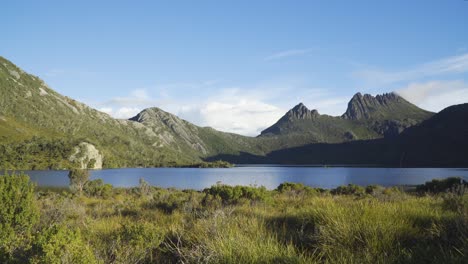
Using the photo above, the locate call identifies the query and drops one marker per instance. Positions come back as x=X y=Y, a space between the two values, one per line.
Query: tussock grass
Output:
x=222 y=224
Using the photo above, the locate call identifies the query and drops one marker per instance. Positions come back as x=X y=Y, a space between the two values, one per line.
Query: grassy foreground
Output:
x=223 y=224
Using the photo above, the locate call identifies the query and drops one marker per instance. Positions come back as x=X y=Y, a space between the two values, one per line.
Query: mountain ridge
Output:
x=40 y=128
x=367 y=117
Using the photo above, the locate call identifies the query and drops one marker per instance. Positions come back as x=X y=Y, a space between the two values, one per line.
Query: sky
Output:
x=238 y=66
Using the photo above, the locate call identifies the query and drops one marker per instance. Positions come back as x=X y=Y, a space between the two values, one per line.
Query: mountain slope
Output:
x=184 y=136
x=29 y=108
x=34 y=117
x=440 y=141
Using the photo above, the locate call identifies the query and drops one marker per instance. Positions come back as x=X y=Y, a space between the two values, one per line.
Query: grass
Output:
x=223 y=224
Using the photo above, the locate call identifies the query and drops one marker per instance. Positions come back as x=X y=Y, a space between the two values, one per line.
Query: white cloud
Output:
x=121 y=112
x=436 y=95
x=288 y=53
x=128 y=106
x=451 y=65
x=126 y=112
x=233 y=111
x=324 y=101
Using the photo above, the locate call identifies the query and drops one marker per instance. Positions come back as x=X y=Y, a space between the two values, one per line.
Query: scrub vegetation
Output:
x=232 y=224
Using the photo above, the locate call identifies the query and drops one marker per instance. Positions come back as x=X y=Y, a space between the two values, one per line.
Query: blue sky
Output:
x=239 y=65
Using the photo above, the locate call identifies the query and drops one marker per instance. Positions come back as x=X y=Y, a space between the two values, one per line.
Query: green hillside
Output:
x=29 y=108
x=179 y=134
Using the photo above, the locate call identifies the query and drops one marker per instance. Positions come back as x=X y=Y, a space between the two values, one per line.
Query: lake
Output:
x=266 y=175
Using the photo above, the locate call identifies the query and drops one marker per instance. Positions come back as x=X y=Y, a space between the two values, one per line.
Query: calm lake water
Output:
x=268 y=176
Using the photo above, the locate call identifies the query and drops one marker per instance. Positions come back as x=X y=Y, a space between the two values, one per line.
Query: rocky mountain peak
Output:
x=298 y=114
x=300 y=111
x=171 y=129
x=148 y=115
x=363 y=106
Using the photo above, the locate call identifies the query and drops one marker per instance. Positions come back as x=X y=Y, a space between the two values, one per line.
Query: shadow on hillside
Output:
x=379 y=152
x=241 y=158
x=371 y=152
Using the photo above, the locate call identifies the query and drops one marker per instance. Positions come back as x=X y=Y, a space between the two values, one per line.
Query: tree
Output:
x=78 y=178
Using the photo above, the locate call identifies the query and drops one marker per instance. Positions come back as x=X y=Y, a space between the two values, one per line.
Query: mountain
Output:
x=440 y=141
x=382 y=107
x=42 y=129
x=387 y=114
x=367 y=117
x=179 y=134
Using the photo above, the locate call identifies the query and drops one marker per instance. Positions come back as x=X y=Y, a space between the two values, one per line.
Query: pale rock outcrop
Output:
x=15 y=74
x=170 y=129
x=42 y=92
x=85 y=154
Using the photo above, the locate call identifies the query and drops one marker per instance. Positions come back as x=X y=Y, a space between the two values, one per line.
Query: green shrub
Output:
x=170 y=200
x=298 y=188
x=60 y=244
x=234 y=194
x=291 y=186
x=18 y=214
x=132 y=242
x=372 y=189
x=435 y=186
x=456 y=203
x=350 y=189
x=97 y=188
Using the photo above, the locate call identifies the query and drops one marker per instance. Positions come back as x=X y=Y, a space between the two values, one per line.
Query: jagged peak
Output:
x=299 y=106
x=361 y=106
x=384 y=96
x=151 y=113
x=300 y=111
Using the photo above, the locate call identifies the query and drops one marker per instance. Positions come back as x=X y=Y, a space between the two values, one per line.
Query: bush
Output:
x=372 y=189
x=97 y=188
x=60 y=244
x=350 y=189
x=233 y=195
x=455 y=202
x=169 y=201
x=18 y=214
x=298 y=188
x=291 y=186
x=435 y=186
x=128 y=242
